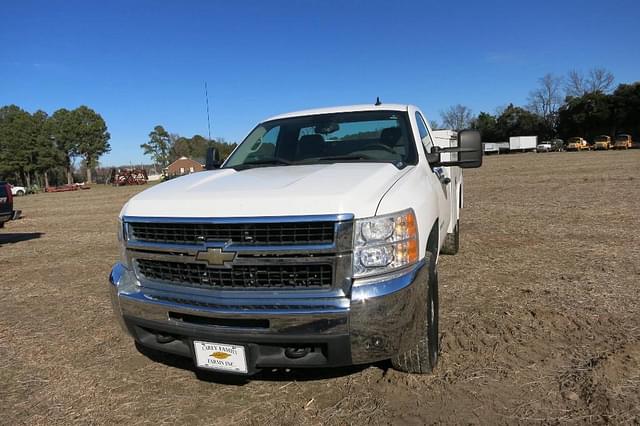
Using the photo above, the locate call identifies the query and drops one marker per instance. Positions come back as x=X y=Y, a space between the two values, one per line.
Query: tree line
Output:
x=164 y=147
x=39 y=149
x=578 y=104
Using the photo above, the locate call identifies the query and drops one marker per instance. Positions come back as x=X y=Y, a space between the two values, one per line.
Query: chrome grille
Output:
x=281 y=254
x=282 y=233
x=264 y=276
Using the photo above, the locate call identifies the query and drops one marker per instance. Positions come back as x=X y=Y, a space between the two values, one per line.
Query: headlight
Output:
x=385 y=243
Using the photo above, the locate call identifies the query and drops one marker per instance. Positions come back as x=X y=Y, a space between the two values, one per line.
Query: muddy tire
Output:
x=422 y=358
x=452 y=242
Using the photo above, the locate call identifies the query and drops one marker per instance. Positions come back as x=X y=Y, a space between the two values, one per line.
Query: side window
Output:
x=425 y=137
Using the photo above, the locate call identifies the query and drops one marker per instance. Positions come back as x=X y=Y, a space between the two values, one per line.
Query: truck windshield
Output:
x=371 y=136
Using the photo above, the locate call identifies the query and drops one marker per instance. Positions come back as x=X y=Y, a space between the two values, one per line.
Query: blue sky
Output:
x=142 y=63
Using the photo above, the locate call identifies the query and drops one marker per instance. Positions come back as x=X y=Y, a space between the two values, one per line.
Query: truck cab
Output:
x=602 y=142
x=315 y=244
x=623 y=141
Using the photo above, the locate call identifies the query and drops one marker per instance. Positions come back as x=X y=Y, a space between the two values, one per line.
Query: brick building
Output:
x=184 y=166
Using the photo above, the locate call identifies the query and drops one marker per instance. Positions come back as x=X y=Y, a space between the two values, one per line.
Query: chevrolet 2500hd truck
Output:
x=315 y=244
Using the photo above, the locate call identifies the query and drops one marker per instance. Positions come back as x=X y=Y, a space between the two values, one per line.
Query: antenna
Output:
x=206 y=97
x=378 y=103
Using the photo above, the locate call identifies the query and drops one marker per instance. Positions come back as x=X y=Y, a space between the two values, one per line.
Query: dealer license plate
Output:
x=220 y=356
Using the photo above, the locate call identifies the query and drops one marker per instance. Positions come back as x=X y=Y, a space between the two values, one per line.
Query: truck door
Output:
x=438 y=178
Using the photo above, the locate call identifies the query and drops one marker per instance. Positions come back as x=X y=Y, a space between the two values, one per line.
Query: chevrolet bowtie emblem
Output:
x=216 y=256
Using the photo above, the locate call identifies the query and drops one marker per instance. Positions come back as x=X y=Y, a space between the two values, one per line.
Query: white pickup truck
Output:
x=315 y=244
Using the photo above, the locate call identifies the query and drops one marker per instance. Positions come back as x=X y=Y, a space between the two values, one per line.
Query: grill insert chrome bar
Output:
x=283 y=233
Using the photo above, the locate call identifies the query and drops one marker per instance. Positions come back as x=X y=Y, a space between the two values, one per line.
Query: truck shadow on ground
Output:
x=19 y=237
x=267 y=375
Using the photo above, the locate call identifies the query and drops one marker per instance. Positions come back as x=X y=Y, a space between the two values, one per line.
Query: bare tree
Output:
x=457 y=117
x=575 y=85
x=600 y=80
x=547 y=98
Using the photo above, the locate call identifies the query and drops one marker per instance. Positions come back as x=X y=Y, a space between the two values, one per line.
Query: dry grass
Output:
x=539 y=316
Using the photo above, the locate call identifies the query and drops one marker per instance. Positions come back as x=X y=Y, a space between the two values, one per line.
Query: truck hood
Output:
x=270 y=191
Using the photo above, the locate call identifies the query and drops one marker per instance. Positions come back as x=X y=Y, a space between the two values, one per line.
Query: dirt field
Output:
x=540 y=316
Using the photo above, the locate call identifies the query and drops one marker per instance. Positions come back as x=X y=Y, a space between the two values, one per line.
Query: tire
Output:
x=422 y=358
x=20 y=193
x=452 y=242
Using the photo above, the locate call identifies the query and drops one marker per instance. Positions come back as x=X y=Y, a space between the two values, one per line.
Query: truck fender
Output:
x=433 y=240
x=413 y=190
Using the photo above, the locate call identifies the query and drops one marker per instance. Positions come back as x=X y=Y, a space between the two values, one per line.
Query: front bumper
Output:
x=379 y=319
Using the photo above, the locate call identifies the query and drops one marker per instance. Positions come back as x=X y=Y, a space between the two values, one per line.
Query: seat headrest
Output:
x=390 y=136
x=311 y=146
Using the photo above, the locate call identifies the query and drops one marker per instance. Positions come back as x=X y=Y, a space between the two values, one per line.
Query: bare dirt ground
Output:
x=540 y=316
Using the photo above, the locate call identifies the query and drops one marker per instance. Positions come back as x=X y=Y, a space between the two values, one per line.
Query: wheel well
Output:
x=432 y=241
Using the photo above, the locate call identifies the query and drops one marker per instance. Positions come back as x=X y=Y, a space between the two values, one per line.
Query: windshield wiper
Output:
x=344 y=157
x=270 y=161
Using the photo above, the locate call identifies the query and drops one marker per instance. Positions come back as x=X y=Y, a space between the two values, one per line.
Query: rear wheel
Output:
x=20 y=193
x=452 y=241
x=422 y=357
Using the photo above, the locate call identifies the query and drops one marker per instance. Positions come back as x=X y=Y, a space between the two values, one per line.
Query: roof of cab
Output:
x=338 y=109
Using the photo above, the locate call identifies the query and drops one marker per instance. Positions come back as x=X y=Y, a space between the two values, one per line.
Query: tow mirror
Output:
x=468 y=153
x=213 y=159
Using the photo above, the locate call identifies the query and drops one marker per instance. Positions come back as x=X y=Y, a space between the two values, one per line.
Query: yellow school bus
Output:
x=602 y=142
x=577 y=144
x=623 y=141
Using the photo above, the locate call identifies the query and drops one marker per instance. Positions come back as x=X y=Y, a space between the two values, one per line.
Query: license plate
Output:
x=220 y=356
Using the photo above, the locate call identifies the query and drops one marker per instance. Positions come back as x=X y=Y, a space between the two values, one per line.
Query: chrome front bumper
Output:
x=380 y=318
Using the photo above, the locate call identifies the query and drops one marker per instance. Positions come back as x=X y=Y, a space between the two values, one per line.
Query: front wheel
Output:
x=422 y=357
x=20 y=193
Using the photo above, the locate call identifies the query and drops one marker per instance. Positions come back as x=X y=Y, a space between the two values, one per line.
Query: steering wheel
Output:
x=378 y=146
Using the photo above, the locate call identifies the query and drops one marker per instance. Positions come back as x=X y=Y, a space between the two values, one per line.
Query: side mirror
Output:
x=468 y=151
x=213 y=159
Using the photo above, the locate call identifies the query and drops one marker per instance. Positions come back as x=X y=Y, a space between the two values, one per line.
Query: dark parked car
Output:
x=6 y=203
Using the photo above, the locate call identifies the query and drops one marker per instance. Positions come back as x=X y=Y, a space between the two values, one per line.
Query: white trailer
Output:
x=503 y=147
x=490 y=148
x=523 y=143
